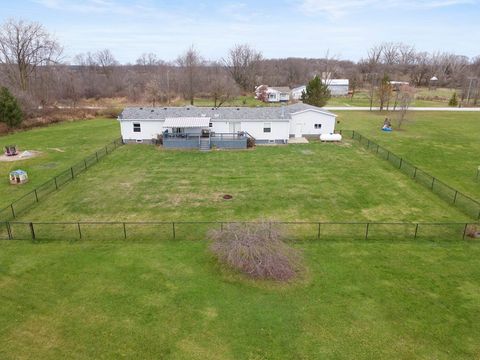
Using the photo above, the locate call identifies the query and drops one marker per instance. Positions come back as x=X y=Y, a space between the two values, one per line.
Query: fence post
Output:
x=416 y=231
x=401 y=161
x=388 y=155
x=79 y=230
x=415 y=173
x=433 y=182
x=377 y=148
x=366 y=231
x=85 y=162
x=221 y=226
x=36 y=195
x=464 y=231
x=455 y=197
x=55 y=181
x=13 y=211
x=106 y=149
x=173 y=229
x=353 y=134
x=32 y=230
x=124 y=231
x=96 y=155
x=318 y=233
x=71 y=170
x=9 y=230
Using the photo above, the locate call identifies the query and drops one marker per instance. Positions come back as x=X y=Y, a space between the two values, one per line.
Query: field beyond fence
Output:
x=465 y=203
x=198 y=230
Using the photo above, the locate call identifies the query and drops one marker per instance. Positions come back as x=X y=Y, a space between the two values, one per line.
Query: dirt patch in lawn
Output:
x=21 y=156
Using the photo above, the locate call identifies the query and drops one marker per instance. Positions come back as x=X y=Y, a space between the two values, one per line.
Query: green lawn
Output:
x=387 y=298
x=60 y=146
x=315 y=182
x=171 y=300
x=423 y=98
x=447 y=145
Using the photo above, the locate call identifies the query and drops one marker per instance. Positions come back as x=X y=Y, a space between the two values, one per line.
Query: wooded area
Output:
x=33 y=68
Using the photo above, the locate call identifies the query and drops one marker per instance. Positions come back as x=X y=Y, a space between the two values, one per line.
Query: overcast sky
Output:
x=279 y=28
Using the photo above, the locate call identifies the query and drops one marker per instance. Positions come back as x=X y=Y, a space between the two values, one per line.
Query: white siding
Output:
x=220 y=126
x=307 y=119
x=149 y=129
x=338 y=90
x=279 y=129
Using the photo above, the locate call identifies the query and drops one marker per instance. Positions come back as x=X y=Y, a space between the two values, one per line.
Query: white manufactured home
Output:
x=229 y=127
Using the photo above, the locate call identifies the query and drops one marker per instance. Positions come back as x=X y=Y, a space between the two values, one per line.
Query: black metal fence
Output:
x=26 y=201
x=463 y=202
x=198 y=230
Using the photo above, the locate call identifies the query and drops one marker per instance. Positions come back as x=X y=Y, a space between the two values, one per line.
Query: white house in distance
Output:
x=337 y=87
x=297 y=92
x=224 y=127
x=273 y=93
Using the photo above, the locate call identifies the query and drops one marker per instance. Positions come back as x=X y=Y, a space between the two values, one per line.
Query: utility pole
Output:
x=168 y=87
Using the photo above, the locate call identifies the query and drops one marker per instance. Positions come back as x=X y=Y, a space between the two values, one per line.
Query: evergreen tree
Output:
x=453 y=100
x=316 y=93
x=10 y=112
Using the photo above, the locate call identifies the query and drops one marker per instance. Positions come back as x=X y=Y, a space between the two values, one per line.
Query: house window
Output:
x=318 y=126
x=267 y=127
x=136 y=127
x=210 y=125
x=271 y=96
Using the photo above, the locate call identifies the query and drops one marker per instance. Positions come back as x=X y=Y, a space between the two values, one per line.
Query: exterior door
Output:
x=234 y=127
x=298 y=130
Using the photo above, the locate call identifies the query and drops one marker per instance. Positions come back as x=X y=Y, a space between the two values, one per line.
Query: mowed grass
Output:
x=313 y=182
x=60 y=146
x=445 y=144
x=171 y=300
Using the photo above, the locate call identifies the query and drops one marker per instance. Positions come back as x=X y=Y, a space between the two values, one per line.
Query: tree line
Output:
x=33 y=68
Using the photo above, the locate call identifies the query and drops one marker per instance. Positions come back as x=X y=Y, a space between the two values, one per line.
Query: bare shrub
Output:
x=256 y=249
x=472 y=231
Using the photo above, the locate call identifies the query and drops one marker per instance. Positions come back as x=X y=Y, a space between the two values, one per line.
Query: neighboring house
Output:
x=296 y=93
x=272 y=93
x=337 y=87
x=396 y=85
x=224 y=127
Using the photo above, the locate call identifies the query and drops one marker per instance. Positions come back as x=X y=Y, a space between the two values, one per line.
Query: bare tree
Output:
x=153 y=90
x=243 y=63
x=220 y=85
x=406 y=94
x=189 y=63
x=105 y=60
x=384 y=91
x=23 y=48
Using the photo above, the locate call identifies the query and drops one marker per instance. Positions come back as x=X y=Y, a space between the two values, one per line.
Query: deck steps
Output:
x=204 y=144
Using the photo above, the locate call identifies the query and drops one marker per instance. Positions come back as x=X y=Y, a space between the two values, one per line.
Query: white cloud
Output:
x=335 y=8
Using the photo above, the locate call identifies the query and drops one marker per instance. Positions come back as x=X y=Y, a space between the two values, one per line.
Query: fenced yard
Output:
x=460 y=200
x=304 y=183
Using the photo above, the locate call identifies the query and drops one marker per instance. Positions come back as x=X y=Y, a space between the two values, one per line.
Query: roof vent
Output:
x=213 y=108
x=188 y=108
x=164 y=108
x=152 y=110
x=238 y=108
x=141 y=108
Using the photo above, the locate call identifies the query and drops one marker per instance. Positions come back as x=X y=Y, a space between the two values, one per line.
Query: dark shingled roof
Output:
x=221 y=113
